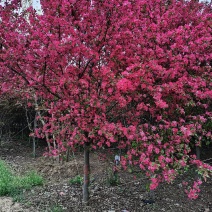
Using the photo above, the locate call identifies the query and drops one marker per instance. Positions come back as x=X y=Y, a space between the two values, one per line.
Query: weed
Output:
x=76 y=180
x=5 y=179
x=18 y=196
x=113 y=178
x=13 y=185
x=56 y=208
x=31 y=179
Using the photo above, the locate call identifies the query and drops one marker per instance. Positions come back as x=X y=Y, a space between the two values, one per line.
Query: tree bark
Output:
x=1 y=137
x=68 y=154
x=198 y=152
x=33 y=138
x=86 y=174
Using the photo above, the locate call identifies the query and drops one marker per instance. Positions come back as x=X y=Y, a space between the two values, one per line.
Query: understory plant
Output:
x=11 y=184
x=113 y=178
x=76 y=180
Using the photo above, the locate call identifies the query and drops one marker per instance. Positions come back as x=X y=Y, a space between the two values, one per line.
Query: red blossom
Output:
x=134 y=75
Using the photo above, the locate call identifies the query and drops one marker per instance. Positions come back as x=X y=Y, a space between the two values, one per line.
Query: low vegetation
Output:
x=76 y=180
x=11 y=184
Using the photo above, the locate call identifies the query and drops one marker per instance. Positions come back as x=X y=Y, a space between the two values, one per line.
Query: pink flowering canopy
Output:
x=132 y=74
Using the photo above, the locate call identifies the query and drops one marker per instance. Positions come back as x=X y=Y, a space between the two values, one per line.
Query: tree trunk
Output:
x=1 y=137
x=86 y=174
x=68 y=154
x=33 y=138
x=198 y=152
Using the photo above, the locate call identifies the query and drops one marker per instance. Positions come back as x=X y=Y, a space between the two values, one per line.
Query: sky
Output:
x=36 y=3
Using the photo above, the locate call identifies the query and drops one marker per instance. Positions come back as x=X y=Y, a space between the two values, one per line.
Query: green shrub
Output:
x=11 y=184
x=76 y=180
x=6 y=178
x=31 y=179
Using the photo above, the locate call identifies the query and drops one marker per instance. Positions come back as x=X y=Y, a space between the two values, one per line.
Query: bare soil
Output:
x=58 y=194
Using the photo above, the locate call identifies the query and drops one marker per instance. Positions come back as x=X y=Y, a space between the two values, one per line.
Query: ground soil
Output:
x=58 y=194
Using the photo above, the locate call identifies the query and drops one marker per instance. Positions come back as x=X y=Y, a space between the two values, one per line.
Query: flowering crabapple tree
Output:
x=134 y=74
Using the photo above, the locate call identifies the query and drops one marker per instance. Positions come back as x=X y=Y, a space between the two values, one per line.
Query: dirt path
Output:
x=7 y=205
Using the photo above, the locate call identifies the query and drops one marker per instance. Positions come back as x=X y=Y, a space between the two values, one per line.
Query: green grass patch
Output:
x=11 y=184
x=77 y=180
x=56 y=208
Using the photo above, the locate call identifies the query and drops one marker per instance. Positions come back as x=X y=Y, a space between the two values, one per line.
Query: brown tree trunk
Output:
x=198 y=152
x=86 y=174
x=33 y=138
x=68 y=154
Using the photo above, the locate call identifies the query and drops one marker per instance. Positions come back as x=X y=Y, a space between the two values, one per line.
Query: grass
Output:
x=56 y=208
x=11 y=184
x=77 y=180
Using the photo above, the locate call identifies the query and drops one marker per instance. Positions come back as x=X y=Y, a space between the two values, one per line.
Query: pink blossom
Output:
x=154 y=183
x=125 y=85
x=161 y=104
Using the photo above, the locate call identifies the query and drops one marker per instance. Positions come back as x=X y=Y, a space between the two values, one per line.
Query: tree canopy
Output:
x=133 y=74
